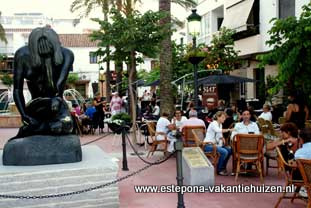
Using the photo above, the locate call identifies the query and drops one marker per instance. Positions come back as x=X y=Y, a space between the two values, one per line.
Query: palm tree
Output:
x=2 y=33
x=88 y=6
x=166 y=88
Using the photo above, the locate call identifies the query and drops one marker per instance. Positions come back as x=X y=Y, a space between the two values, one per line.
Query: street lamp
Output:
x=102 y=79
x=194 y=27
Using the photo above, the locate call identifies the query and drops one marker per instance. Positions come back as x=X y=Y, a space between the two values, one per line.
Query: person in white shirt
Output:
x=214 y=135
x=163 y=128
x=193 y=120
x=246 y=126
x=179 y=119
x=266 y=114
x=156 y=111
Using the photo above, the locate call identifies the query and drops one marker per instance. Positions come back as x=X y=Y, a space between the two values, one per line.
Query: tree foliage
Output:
x=2 y=33
x=7 y=79
x=221 y=53
x=290 y=39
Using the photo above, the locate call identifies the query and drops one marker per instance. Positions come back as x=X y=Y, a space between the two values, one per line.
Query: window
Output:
x=93 y=58
x=286 y=8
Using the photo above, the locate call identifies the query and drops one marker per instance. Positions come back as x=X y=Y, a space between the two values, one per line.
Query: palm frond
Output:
x=185 y=3
x=2 y=33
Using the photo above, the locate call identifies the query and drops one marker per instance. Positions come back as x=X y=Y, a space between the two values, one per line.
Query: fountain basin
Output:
x=10 y=120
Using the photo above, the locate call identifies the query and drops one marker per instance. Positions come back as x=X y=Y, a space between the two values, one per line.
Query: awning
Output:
x=154 y=83
x=236 y=15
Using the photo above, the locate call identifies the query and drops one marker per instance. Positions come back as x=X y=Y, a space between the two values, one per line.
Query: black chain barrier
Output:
x=157 y=162
x=150 y=164
x=95 y=140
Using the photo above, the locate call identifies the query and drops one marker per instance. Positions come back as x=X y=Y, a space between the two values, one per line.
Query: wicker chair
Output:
x=305 y=170
x=249 y=149
x=214 y=155
x=288 y=170
x=188 y=138
x=153 y=134
x=281 y=120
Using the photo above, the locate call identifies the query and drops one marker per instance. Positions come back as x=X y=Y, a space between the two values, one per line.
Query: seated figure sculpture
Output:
x=47 y=123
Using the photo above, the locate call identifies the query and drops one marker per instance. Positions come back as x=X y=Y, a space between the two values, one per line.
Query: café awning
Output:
x=236 y=15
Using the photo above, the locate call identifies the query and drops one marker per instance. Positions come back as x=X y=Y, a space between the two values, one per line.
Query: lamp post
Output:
x=101 y=79
x=194 y=27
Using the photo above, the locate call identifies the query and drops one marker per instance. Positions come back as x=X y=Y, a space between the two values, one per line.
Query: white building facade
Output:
x=72 y=36
x=251 y=20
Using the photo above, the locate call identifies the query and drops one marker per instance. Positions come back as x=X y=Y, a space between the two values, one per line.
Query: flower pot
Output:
x=196 y=59
x=116 y=128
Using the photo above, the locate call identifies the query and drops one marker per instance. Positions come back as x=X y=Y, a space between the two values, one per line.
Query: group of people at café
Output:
x=91 y=115
x=231 y=123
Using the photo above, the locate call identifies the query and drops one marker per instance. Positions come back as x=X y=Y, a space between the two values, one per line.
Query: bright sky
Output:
x=61 y=8
x=50 y=8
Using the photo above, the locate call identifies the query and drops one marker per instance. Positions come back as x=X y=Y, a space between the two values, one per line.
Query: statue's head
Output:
x=44 y=42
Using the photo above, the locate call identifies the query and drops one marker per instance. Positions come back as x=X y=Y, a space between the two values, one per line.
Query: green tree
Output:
x=88 y=6
x=2 y=33
x=166 y=73
x=141 y=35
x=290 y=39
x=221 y=53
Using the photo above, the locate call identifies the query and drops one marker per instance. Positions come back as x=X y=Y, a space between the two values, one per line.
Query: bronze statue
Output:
x=45 y=66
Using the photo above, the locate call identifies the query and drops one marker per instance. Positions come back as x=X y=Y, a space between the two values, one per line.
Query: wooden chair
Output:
x=288 y=170
x=199 y=141
x=153 y=134
x=249 y=149
x=305 y=170
x=281 y=120
x=264 y=128
x=188 y=138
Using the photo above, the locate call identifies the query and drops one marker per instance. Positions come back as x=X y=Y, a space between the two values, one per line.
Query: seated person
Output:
x=156 y=110
x=162 y=129
x=246 y=126
x=305 y=151
x=228 y=122
x=266 y=114
x=179 y=119
x=288 y=146
x=214 y=135
x=193 y=120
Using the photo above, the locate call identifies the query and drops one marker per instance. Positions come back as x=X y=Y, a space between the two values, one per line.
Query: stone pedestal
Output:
x=96 y=168
x=42 y=150
x=197 y=169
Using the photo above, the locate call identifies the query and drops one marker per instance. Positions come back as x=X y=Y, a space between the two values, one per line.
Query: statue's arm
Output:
x=67 y=66
x=18 y=82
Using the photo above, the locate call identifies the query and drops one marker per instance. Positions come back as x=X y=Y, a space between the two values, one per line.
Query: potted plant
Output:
x=196 y=55
x=115 y=122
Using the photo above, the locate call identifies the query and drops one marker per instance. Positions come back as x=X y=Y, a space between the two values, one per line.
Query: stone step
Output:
x=96 y=168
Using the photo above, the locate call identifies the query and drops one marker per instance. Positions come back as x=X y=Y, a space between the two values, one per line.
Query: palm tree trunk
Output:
x=132 y=96
x=166 y=89
x=108 y=73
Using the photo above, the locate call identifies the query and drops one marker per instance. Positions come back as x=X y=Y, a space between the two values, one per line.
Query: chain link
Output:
x=157 y=162
x=149 y=164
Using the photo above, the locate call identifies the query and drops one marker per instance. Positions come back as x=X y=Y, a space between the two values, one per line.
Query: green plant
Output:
x=72 y=78
x=291 y=45
x=7 y=79
x=123 y=117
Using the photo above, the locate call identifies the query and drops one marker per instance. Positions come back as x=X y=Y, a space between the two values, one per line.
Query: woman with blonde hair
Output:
x=214 y=135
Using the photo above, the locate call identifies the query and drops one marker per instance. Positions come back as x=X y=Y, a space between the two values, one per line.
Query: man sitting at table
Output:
x=163 y=127
x=246 y=126
x=193 y=120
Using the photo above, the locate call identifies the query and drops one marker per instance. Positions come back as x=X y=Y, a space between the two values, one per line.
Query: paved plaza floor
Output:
x=165 y=174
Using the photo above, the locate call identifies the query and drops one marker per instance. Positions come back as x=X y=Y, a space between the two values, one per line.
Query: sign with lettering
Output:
x=195 y=157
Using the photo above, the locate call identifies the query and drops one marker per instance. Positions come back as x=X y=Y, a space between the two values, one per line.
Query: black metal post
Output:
x=195 y=76
x=124 y=161
x=179 y=178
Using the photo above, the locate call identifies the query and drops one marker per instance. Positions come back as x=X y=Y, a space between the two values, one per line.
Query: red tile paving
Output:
x=165 y=174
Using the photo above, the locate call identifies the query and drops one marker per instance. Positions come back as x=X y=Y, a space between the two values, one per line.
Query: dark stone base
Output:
x=42 y=150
